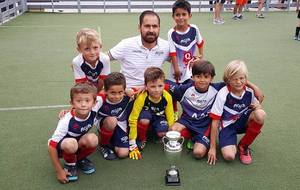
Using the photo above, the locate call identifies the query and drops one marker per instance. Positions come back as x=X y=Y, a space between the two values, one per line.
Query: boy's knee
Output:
x=90 y=140
x=229 y=156
x=122 y=153
x=259 y=116
x=110 y=123
x=198 y=154
x=69 y=145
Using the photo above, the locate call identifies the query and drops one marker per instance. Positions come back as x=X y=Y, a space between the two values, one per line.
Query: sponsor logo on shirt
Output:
x=116 y=111
x=137 y=51
x=124 y=139
x=239 y=106
x=202 y=115
x=159 y=53
x=185 y=41
x=85 y=128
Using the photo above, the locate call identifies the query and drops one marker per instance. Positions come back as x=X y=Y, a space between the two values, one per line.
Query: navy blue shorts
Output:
x=199 y=133
x=119 y=138
x=158 y=123
x=228 y=135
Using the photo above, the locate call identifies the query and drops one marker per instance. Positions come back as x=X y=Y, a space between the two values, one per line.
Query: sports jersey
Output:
x=162 y=108
x=120 y=110
x=71 y=126
x=135 y=58
x=184 y=45
x=195 y=105
x=83 y=71
x=228 y=107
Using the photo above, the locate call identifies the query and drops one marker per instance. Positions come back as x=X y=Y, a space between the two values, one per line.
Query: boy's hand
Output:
x=194 y=60
x=62 y=113
x=211 y=156
x=177 y=74
x=62 y=176
x=255 y=106
x=134 y=152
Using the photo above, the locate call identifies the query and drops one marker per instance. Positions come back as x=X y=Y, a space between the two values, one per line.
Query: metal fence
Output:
x=10 y=9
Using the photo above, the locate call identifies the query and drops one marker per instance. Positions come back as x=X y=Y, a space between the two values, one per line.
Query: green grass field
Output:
x=35 y=54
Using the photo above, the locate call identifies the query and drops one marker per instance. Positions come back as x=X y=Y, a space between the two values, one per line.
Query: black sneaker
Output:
x=86 y=166
x=141 y=145
x=240 y=17
x=107 y=153
x=72 y=169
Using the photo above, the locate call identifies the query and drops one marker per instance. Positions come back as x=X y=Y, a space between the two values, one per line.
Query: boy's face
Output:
x=155 y=88
x=83 y=104
x=237 y=82
x=181 y=17
x=202 y=81
x=149 y=29
x=90 y=52
x=115 y=93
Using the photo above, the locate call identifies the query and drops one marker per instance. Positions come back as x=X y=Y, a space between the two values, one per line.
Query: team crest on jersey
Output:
x=75 y=126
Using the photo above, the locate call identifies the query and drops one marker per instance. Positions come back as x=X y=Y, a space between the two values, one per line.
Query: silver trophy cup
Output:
x=172 y=148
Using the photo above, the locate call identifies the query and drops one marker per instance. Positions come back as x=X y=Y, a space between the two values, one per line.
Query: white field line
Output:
x=33 y=107
x=41 y=26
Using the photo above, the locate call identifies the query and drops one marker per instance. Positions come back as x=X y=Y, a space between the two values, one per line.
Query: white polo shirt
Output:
x=135 y=58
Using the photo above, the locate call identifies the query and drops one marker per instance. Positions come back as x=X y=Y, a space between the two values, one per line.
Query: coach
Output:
x=137 y=53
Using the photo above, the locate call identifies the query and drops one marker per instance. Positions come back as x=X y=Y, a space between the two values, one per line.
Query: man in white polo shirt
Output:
x=140 y=52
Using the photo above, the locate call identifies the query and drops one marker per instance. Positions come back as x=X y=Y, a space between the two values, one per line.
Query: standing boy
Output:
x=152 y=107
x=71 y=139
x=90 y=64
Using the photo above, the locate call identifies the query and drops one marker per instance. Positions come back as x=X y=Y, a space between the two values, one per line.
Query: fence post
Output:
x=129 y=6
x=78 y=6
x=104 y=6
x=267 y=5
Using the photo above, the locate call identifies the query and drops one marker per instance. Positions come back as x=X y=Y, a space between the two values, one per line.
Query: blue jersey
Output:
x=120 y=110
x=228 y=107
x=71 y=126
x=195 y=105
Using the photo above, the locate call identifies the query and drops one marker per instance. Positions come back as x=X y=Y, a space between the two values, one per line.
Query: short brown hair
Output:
x=114 y=78
x=83 y=88
x=203 y=67
x=153 y=73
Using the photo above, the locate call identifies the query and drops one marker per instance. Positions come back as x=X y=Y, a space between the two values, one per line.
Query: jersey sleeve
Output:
x=171 y=43
x=79 y=75
x=134 y=115
x=218 y=85
x=106 y=65
x=118 y=51
x=169 y=109
x=60 y=132
x=218 y=106
x=177 y=91
x=200 y=40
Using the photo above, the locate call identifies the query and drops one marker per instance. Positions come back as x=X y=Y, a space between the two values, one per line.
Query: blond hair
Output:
x=86 y=36
x=233 y=68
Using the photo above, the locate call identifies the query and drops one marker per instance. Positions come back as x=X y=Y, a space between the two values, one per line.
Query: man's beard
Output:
x=150 y=37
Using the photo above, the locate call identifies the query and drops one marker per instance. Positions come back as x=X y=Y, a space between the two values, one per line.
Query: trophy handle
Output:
x=165 y=140
x=181 y=140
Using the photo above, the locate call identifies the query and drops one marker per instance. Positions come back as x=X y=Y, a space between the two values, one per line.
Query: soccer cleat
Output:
x=190 y=145
x=260 y=15
x=235 y=17
x=240 y=17
x=107 y=153
x=72 y=169
x=245 y=155
x=141 y=145
x=86 y=166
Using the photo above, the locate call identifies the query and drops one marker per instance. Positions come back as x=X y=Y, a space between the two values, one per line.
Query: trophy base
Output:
x=172 y=177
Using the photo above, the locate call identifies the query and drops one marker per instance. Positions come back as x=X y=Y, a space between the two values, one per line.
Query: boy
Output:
x=71 y=139
x=238 y=111
x=196 y=99
x=217 y=14
x=184 y=39
x=90 y=64
x=114 y=108
x=152 y=107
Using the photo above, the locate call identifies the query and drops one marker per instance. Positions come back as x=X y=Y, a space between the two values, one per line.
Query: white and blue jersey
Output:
x=72 y=127
x=83 y=71
x=184 y=45
x=120 y=110
x=229 y=108
x=195 y=105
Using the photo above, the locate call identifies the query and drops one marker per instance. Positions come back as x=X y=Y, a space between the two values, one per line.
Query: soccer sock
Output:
x=142 y=131
x=69 y=158
x=83 y=153
x=105 y=136
x=185 y=133
x=251 y=133
x=297 y=31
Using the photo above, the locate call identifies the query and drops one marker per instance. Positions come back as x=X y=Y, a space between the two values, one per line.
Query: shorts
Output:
x=228 y=135
x=58 y=147
x=241 y=2
x=158 y=123
x=120 y=138
x=200 y=133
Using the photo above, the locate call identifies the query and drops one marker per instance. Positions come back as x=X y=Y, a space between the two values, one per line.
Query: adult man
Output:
x=140 y=52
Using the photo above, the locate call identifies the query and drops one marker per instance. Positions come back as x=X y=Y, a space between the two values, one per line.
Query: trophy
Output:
x=172 y=148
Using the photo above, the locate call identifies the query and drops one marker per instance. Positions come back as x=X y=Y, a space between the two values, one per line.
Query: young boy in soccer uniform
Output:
x=238 y=111
x=114 y=108
x=90 y=64
x=152 y=107
x=238 y=9
x=185 y=43
x=71 y=139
